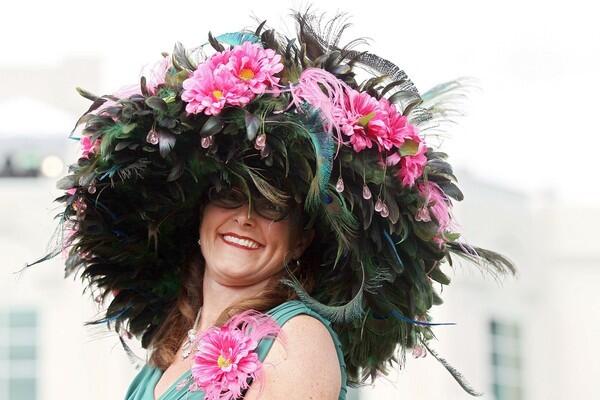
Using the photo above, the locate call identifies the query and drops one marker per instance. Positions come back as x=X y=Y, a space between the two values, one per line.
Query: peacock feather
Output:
x=323 y=145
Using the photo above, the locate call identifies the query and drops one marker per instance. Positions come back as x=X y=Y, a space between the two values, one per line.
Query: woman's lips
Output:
x=239 y=245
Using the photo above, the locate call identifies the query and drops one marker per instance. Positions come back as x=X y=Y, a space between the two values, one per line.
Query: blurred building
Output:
x=530 y=337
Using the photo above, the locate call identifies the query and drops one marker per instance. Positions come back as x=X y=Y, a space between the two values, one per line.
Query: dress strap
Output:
x=283 y=313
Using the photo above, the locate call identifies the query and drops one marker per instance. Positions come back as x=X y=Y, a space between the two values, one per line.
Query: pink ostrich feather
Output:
x=324 y=91
x=226 y=356
x=438 y=206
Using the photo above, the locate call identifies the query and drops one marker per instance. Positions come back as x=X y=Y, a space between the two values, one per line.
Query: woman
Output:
x=325 y=216
x=244 y=252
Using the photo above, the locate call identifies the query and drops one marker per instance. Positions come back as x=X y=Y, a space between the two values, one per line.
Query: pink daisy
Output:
x=88 y=146
x=226 y=358
x=255 y=66
x=397 y=125
x=210 y=90
x=363 y=120
x=412 y=166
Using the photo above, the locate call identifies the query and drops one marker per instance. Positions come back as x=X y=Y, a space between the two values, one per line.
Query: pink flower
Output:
x=231 y=77
x=412 y=166
x=397 y=125
x=363 y=120
x=412 y=148
x=210 y=90
x=255 y=66
x=437 y=205
x=88 y=146
x=226 y=357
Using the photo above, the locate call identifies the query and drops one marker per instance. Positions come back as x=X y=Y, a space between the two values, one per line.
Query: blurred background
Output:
x=525 y=157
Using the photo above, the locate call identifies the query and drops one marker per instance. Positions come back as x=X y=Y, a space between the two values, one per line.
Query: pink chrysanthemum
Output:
x=397 y=126
x=210 y=90
x=226 y=357
x=412 y=166
x=89 y=146
x=231 y=77
x=363 y=120
x=436 y=206
x=255 y=66
x=405 y=136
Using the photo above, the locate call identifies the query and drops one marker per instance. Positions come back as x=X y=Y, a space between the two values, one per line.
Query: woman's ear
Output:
x=305 y=238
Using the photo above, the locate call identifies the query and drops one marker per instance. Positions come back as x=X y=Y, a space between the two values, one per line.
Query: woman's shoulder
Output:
x=306 y=340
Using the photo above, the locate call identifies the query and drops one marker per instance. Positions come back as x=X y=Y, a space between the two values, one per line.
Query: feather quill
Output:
x=323 y=145
x=454 y=372
x=336 y=314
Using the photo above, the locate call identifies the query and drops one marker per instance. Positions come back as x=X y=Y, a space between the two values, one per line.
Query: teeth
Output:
x=244 y=242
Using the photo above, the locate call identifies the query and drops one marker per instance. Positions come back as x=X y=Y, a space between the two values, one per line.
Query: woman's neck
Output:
x=216 y=297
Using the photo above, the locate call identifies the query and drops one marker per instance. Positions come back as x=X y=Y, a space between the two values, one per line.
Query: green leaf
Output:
x=156 y=103
x=180 y=58
x=212 y=125
x=143 y=86
x=451 y=236
x=215 y=43
x=127 y=128
x=176 y=79
x=86 y=94
x=175 y=172
x=166 y=142
x=67 y=182
x=252 y=125
x=409 y=148
x=364 y=120
x=425 y=230
x=437 y=275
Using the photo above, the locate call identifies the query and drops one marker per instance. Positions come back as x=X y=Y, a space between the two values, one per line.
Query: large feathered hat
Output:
x=282 y=117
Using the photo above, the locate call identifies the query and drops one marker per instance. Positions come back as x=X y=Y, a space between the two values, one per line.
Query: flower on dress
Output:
x=226 y=357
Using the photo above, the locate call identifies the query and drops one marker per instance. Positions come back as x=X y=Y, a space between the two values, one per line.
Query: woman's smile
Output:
x=240 y=242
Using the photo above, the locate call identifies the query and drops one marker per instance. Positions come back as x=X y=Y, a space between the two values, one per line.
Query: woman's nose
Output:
x=243 y=215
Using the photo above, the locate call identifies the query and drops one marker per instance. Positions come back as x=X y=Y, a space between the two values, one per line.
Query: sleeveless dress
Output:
x=142 y=386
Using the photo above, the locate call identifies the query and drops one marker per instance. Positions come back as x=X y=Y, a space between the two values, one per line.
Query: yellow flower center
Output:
x=223 y=362
x=246 y=74
x=217 y=94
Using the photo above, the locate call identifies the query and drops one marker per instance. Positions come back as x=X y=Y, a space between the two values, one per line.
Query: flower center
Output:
x=217 y=94
x=223 y=362
x=364 y=120
x=246 y=74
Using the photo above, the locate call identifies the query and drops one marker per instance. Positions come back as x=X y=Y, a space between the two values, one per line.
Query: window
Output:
x=506 y=360
x=18 y=354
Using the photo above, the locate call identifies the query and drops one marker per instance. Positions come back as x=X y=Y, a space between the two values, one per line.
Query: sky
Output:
x=528 y=127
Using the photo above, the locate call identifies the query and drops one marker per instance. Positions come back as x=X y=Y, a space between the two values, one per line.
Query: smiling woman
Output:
x=258 y=211
x=244 y=249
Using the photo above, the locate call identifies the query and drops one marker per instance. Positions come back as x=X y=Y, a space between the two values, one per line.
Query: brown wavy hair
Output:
x=180 y=318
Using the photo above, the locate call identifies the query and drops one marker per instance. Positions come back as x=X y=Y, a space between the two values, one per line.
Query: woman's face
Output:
x=242 y=249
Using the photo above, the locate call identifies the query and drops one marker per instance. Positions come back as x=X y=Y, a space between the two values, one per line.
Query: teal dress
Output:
x=142 y=386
